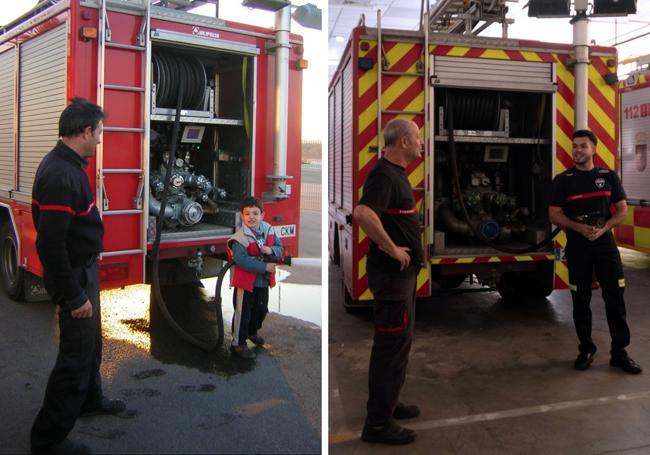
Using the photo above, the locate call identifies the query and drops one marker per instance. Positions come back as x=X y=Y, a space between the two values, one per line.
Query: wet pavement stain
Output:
x=219 y=363
x=192 y=307
x=135 y=317
x=198 y=388
x=128 y=414
x=168 y=347
x=147 y=393
x=125 y=315
x=148 y=374
x=101 y=434
x=138 y=325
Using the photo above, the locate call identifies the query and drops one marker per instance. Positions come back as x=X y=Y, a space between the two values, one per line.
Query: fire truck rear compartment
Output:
x=212 y=168
x=504 y=163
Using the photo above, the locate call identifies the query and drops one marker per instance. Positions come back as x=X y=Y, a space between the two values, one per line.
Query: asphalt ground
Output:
x=180 y=399
x=492 y=377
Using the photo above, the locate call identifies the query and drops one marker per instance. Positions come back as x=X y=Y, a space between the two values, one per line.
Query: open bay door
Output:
x=490 y=173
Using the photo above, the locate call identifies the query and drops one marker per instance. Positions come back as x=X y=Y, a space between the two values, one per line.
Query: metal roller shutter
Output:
x=42 y=92
x=337 y=143
x=493 y=74
x=330 y=149
x=7 y=118
x=347 y=152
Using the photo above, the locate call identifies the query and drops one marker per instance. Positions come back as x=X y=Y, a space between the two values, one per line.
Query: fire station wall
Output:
x=7 y=97
x=42 y=98
x=347 y=151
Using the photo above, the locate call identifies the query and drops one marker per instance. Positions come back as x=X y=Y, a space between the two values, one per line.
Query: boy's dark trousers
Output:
x=394 y=318
x=255 y=306
x=601 y=256
x=75 y=381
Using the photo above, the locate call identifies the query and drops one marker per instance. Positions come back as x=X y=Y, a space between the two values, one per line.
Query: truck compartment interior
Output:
x=502 y=148
x=212 y=167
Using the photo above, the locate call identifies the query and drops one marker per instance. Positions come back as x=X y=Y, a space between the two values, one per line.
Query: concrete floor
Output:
x=496 y=378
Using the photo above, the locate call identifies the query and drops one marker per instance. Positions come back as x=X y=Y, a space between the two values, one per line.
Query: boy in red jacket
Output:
x=251 y=276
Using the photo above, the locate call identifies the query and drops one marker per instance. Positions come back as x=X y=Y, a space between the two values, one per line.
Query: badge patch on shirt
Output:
x=600 y=183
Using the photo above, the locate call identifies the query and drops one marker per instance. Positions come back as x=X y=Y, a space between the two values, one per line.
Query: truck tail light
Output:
x=88 y=33
x=113 y=272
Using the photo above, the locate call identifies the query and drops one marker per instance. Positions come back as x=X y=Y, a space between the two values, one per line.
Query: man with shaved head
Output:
x=387 y=214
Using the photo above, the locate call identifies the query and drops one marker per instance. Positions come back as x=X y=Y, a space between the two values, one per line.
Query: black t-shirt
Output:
x=586 y=193
x=388 y=193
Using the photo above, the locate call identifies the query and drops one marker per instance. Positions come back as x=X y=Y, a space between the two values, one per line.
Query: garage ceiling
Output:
x=344 y=15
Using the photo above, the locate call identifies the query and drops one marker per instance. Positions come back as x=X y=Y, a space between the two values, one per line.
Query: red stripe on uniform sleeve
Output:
x=53 y=207
x=87 y=211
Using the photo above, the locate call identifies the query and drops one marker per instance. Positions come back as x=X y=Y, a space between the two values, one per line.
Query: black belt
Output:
x=591 y=220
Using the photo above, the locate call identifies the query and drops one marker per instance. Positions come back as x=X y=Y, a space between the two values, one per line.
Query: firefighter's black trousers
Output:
x=75 y=382
x=602 y=256
x=394 y=313
x=248 y=319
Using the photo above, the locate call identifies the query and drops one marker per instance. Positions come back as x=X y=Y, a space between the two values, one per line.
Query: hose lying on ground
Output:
x=156 y=251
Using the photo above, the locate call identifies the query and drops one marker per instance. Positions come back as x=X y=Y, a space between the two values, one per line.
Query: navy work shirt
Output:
x=69 y=230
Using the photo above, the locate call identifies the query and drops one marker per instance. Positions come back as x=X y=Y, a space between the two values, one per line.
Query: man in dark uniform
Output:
x=69 y=238
x=587 y=202
x=387 y=214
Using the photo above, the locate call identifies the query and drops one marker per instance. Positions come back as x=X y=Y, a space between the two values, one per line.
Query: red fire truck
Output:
x=239 y=130
x=634 y=232
x=496 y=117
